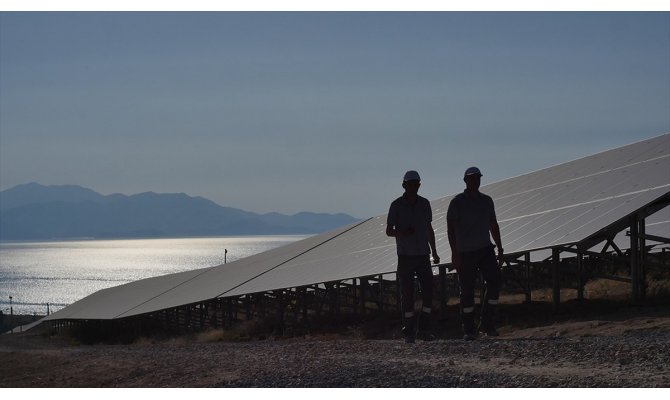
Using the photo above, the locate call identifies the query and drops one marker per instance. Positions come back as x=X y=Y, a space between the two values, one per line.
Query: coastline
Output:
x=60 y=273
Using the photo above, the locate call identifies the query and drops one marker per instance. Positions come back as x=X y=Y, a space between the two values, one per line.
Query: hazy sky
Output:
x=320 y=112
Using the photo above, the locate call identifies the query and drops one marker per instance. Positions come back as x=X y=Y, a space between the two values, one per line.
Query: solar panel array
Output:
x=187 y=287
x=559 y=205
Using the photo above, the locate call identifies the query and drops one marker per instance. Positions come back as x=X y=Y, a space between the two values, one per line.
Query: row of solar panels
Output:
x=559 y=205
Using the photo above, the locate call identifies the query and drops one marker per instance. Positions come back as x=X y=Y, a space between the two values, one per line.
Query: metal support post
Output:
x=528 y=285
x=304 y=303
x=443 y=291
x=381 y=293
x=364 y=286
x=229 y=309
x=281 y=308
x=556 y=263
x=580 y=276
x=188 y=317
x=11 y=312
x=337 y=297
x=642 y=265
x=354 y=304
x=634 y=260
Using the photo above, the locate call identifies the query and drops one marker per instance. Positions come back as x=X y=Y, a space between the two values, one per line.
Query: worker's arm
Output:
x=451 y=235
x=431 y=241
x=495 y=232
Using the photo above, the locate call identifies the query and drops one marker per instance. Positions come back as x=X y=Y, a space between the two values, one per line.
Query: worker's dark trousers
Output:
x=408 y=267
x=472 y=262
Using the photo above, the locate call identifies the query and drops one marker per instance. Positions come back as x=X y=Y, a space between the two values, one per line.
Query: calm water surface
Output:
x=60 y=273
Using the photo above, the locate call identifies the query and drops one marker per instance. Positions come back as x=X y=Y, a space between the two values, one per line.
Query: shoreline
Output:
x=120 y=238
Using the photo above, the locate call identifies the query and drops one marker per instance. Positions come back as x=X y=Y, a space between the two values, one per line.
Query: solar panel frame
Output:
x=223 y=278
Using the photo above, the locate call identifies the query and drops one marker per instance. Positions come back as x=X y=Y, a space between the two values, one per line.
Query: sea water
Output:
x=59 y=273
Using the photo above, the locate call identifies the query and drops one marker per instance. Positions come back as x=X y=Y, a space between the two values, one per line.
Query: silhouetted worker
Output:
x=470 y=218
x=410 y=222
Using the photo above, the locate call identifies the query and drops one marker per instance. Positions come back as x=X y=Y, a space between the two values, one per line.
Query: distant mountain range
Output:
x=37 y=212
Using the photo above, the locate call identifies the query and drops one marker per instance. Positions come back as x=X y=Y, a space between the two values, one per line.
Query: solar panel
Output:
x=559 y=205
x=111 y=302
x=173 y=290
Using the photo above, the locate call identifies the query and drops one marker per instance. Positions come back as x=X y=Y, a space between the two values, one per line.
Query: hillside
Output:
x=34 y=211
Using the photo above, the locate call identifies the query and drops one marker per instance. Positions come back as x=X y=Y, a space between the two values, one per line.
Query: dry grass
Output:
x=256 y=329
x=659 y=288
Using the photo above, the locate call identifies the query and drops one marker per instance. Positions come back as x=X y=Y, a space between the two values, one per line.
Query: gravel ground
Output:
x=633 y=352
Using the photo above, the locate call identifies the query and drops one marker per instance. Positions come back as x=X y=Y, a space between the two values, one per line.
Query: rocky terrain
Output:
x=627 y=347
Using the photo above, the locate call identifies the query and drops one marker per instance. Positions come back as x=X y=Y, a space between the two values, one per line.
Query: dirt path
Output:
x=628 y=349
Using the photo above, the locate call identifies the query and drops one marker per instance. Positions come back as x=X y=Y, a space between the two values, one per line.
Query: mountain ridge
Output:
x=34 y=211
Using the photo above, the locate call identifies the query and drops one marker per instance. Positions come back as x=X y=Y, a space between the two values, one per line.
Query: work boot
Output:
x=487 y=327
x=426 y=336
x=408 y=331
x=424 y=328
x=469 y=332
x=486 y=324
x=491 y=331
